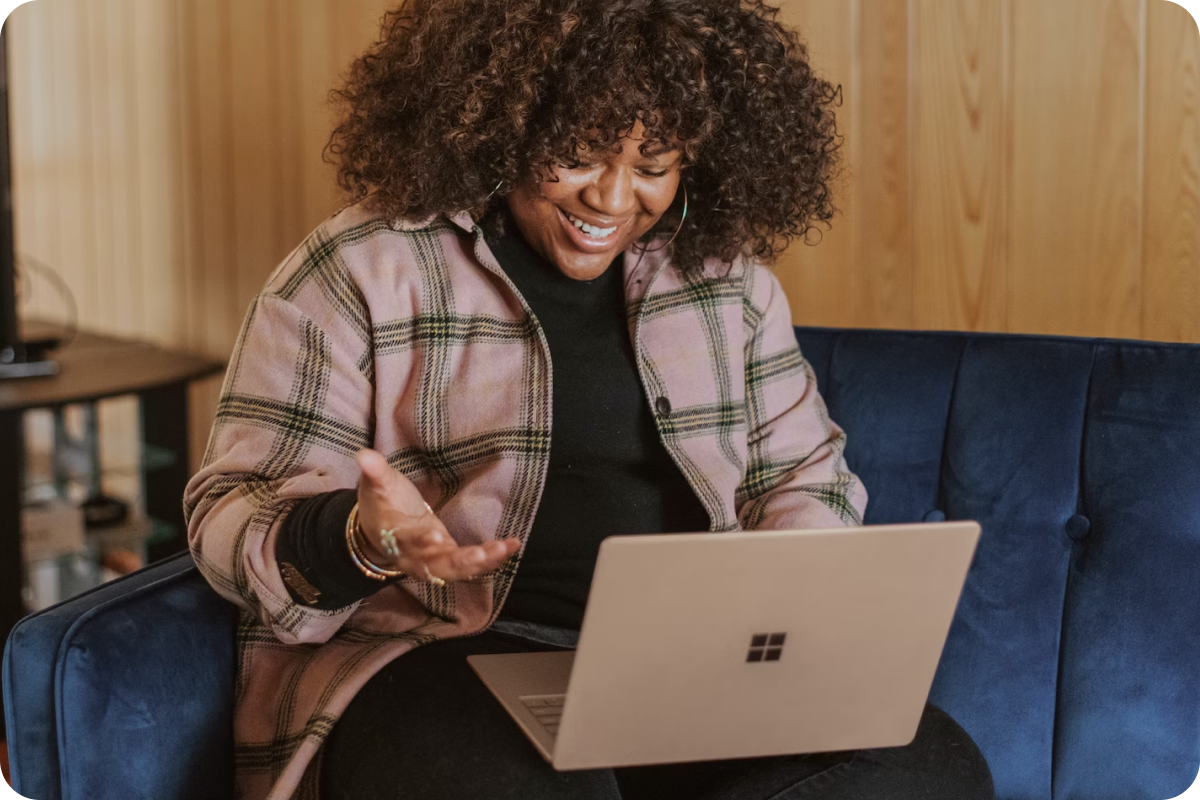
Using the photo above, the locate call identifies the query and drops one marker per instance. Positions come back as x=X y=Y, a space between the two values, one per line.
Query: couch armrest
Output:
x=125 y=691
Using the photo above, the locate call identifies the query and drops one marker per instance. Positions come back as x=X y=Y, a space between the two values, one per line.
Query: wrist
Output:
x=368 y=548
x=363 y=553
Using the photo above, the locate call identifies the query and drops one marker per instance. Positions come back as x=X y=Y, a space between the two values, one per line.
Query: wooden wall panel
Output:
x=288 y=57
x=960 y=164
x=1075 y=227
x=1171 y=267
x=1021 y=165
x=318 y=65
x=105 y=184
x=154 y=68
x=212 y=161
x=67 y=171
x=254 y=165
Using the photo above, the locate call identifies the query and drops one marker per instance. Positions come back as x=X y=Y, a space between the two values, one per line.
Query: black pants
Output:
x=426 y=728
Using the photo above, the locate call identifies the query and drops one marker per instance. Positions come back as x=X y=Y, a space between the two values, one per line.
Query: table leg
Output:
x=12 y=462
x=164 y=418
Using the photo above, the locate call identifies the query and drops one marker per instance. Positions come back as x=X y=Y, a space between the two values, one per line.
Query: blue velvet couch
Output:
x=1074 y=659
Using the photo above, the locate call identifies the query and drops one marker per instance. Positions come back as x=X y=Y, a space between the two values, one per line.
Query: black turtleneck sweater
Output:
x=609 y=472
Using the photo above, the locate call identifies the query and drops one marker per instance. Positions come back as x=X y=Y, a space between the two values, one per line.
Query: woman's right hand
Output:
x=387 y=499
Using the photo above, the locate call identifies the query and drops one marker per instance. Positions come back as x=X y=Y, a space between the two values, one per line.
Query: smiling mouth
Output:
x=588 y=238
x=591 y=231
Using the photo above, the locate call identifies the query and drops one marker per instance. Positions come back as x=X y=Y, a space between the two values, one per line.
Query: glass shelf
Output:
x=54 y=579
x=155 y=457
x=38 y=466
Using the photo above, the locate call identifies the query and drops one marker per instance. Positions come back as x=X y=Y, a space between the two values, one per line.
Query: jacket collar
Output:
x=640 y=264
x=463 y=220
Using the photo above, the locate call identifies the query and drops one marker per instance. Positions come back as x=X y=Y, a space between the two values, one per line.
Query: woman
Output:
x=543 y=319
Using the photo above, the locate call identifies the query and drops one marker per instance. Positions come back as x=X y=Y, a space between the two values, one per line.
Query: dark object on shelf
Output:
x=122 y=561
x=18 y=359
x=102 y=511
x=28 y=359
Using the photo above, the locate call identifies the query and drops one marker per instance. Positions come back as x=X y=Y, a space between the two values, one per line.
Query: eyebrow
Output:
x=651 y=149
x=658 y=148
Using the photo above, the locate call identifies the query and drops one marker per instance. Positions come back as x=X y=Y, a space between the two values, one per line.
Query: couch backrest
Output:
x=125 y=692
x=1074 y=658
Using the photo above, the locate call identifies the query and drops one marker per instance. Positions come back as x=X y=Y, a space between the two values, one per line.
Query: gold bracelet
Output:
x=364 y=564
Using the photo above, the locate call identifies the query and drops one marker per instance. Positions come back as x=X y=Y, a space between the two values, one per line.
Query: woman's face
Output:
x=596 y=210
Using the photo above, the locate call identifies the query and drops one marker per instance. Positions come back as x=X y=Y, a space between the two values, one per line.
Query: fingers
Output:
x=469 y=562
x=425 y=543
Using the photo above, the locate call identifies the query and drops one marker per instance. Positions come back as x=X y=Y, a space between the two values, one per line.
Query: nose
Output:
x=611 y=193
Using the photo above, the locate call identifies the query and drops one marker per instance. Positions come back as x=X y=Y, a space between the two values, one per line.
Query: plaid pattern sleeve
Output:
x=293 y=411
x=796 y=475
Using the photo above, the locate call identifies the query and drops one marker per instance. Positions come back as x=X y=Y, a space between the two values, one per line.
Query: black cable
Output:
x=26 y=260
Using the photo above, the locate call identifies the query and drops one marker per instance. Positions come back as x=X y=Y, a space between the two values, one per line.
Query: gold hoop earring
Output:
x=498 y=185
x=677 y=230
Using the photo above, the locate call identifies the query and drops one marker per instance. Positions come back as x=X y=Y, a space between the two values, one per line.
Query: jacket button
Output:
x=663 y=406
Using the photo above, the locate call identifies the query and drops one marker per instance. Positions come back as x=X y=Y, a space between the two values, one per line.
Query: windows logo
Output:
x=766 y=647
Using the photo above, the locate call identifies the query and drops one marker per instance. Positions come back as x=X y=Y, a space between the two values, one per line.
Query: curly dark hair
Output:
x=460 y=96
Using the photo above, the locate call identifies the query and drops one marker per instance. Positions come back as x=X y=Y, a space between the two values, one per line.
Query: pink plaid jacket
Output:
x=407 y=337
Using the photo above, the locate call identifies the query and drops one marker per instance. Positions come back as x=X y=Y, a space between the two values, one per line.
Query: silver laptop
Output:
x=710 y=646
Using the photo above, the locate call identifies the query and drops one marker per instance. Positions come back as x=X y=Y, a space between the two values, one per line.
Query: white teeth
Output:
x=590 y=230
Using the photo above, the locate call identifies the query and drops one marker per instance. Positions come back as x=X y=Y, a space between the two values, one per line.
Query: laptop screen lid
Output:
x=715 y=646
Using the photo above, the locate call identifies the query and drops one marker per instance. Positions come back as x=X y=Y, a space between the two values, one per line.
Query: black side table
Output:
x=95 y=367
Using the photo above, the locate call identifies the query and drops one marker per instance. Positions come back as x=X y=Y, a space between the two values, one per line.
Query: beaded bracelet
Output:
x=361 y=561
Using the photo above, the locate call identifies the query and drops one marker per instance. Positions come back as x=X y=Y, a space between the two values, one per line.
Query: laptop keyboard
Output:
x=546 y=709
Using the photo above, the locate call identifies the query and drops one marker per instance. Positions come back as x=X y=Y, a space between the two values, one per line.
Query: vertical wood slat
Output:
x=253 y=166
x=77 y=224
x=1075 y=225
x=1171 y=267
x=27 y=105
x=213 y=156
x=960 y=164
x=882 y=224
x=191 y=222
x=132 y=160
x=286 y=56
x=313 y=63
x=41 y=151
x=153 y=67
x=99 y=84
x=820 y=280
x=24 y=104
